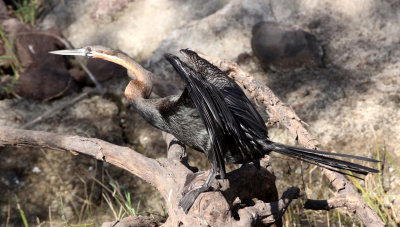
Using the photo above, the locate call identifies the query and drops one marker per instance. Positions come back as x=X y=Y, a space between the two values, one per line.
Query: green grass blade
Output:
x=21 y=212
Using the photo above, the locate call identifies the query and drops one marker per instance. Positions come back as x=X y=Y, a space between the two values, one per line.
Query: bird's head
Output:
x=189 y=54
x=140 y=86
x=101 y=52
x=198 y=63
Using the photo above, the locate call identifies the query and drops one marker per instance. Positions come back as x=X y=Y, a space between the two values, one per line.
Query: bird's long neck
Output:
x=141 y=85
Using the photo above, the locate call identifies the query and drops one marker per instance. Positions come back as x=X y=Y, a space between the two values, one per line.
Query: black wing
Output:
x=230 y=118
x=242 y=121
x=203 y=96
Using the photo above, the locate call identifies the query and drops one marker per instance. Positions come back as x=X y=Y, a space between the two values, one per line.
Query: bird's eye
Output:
x=88 y=51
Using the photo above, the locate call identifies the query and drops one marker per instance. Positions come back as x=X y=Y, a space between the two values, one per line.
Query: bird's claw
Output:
x=195 y=184
x=193 y=181
x=188 y=199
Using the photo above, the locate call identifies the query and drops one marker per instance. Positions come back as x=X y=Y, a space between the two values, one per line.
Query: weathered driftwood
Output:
x=168 y=175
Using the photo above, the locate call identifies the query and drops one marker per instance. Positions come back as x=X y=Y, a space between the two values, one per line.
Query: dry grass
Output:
x=372 y=190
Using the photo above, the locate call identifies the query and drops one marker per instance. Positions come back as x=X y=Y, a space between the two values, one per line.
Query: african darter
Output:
x=212 y=115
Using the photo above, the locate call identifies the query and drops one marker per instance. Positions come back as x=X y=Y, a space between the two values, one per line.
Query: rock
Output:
x=10 y=27
x=3 y=11
x=43 y=76
x=78 y=75
x=13 y=26
x=106 y=10
x=44 y=83
x=279 y=46
x=104 y=70
x=94 y=117
x=61 y=16
x=10 y=178
x=138 y=29
x=146 y=138
x=243 y=58
x=32 y=49
x=224 y=33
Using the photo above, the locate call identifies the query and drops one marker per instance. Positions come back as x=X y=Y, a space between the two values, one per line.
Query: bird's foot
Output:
x=194 y=185
x=189 y=197
x=193 y=181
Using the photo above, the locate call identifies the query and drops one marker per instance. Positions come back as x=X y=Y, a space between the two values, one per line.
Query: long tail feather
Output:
x=322 y=157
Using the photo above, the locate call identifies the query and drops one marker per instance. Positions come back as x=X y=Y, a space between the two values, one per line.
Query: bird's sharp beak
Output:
x=75 y=52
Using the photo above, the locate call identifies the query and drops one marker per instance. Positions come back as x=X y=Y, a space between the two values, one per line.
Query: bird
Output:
x=211 y=115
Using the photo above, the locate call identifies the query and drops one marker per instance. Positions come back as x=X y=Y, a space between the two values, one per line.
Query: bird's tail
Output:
x=318 y=157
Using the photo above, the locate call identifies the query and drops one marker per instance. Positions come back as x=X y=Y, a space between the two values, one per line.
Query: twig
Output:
x=58 y=108
x=8 y=210
x=141 y=166
x=50 y=218
x=330 y=203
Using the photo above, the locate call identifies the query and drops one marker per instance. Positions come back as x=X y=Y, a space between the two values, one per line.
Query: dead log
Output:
x=168 y=175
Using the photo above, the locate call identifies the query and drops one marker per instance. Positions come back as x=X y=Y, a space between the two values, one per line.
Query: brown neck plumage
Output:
x=141 y=85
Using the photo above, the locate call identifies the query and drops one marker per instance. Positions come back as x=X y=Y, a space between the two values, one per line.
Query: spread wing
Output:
x=206 y=102
x=236 y=100
x=232 y=122
x=247 y=124
x=235 y=127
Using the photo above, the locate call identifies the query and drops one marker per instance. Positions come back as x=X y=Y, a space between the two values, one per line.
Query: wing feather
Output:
x=240 y=118
x=206 y=102
x=227 y=113
x=231 y=118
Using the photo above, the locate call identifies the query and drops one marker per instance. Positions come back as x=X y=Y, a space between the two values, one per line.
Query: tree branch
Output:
x=330 y=203
x=146 y=168
x=175 y=148
x=168 y=176
x=267 y=213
